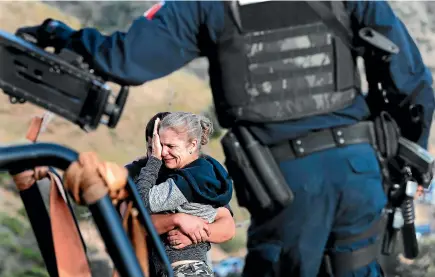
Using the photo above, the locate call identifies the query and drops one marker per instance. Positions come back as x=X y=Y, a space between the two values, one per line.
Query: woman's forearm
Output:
x=222 y=231
x=223 y=228
x=147 y=178
x=164 y=222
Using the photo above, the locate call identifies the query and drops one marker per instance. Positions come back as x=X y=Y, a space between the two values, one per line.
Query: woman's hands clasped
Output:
x=190 y=230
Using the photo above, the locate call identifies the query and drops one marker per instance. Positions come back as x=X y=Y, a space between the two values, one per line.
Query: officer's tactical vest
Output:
x=277 y=61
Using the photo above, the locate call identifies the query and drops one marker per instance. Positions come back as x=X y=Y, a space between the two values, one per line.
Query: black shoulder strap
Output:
x=234 y=8
x=329 y=17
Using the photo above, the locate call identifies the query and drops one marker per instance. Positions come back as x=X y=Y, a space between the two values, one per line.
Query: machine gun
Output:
x=58 y=82
x=415 y=166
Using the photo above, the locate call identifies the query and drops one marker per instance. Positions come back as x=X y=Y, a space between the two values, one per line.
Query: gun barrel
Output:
x=410 y=244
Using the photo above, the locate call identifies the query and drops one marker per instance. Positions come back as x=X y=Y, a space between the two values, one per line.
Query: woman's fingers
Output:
x=156 y=126
x=179 y=246
x=204 y=235
x=206 y=229
x=195 y=237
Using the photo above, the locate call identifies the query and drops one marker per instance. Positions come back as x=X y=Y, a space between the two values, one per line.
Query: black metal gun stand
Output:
x=106 y=218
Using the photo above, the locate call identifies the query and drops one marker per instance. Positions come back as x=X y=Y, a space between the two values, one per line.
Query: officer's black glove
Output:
x=51 y=33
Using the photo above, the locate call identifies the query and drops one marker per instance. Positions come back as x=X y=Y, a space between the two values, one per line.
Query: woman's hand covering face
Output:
x=156 y=144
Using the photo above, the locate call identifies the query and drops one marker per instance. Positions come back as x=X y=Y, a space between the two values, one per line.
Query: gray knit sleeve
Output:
x=147 y=178
x=165 y=196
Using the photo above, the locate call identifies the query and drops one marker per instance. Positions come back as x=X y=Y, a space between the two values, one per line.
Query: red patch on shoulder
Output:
x=149 y=14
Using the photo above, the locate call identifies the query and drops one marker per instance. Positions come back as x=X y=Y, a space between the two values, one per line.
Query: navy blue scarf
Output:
x=203 y=181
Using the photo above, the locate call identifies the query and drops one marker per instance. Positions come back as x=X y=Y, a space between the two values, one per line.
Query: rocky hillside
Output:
x=417 y=16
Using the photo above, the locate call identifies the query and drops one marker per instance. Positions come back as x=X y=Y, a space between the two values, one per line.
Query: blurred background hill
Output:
x=186 y=89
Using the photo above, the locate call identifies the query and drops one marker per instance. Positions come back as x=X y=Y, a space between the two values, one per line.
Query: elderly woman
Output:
x=191 y=183
x=182 y=228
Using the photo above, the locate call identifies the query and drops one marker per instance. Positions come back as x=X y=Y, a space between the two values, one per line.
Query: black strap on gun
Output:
x=260 y=185
x=58 y=82
x=372 y=38
x=329 y=17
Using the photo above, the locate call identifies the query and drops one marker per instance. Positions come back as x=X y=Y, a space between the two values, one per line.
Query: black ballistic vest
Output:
x=282 y=64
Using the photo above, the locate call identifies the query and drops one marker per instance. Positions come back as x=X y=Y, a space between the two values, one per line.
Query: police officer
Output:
x=276 y=68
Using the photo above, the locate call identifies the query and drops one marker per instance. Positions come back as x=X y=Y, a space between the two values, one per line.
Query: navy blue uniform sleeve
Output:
x=152 y=47
x=407 y=69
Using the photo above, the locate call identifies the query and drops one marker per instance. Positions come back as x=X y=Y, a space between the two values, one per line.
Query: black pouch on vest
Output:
x=387 y=135
x=258 y=181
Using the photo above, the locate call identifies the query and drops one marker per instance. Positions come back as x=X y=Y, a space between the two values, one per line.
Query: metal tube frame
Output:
x=41 y=226
x=107 y=219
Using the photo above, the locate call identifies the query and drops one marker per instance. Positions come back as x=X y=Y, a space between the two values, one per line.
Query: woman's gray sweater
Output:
x=167 y=197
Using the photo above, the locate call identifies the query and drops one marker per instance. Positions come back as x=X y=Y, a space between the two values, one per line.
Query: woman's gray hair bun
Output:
x=206 y=129
x=197 y=127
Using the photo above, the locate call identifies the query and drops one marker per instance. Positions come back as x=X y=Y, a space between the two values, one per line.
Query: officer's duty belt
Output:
x=362 y=132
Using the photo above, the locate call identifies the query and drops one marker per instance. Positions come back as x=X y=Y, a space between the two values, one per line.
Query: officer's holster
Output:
x=259 y=184
x=338 y=263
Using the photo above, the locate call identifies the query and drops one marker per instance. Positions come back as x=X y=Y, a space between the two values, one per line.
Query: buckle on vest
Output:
x=298 y=147
x=337 y=134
